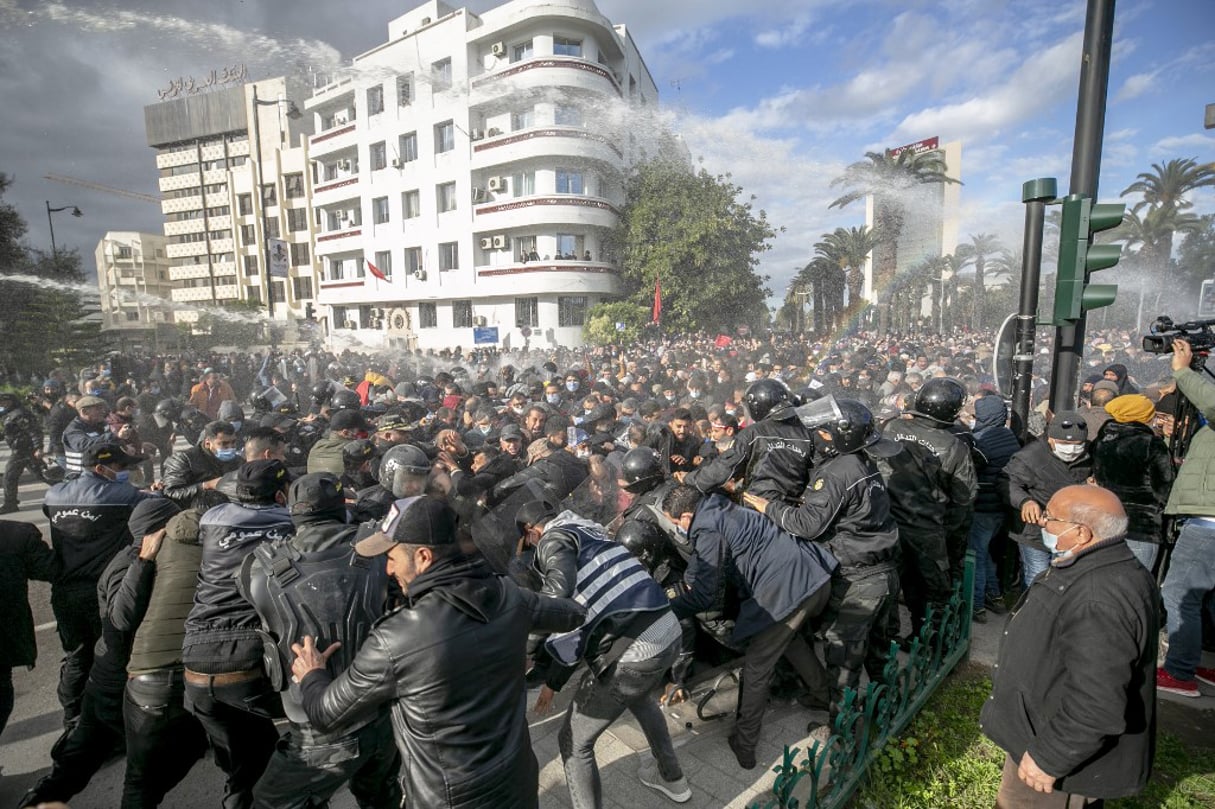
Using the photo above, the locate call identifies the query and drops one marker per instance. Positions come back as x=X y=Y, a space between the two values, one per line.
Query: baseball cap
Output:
x=150 y=515
x=511 y=432
x=315 y=493
x=106 y=454
x=90 y=401
x=1068 y=426
x=358 y=450
x=411 y=521
x=260 y=478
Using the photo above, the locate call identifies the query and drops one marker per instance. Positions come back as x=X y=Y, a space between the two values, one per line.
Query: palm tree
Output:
x=976 y=252
x=825 y=281
x=848 y=248
x=889 y=179
x=1166 y=189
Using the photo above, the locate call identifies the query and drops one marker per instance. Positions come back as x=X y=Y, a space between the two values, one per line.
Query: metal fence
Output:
x=829 y=773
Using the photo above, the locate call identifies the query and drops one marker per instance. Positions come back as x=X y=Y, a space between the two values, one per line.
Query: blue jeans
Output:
x=1191 y=575
x=1033 y=562
x=1145 y=552
x=984 y=526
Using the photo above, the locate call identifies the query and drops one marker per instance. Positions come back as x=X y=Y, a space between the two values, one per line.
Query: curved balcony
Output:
x=546 y=210
x=549 y=277
x=542 y=73
x=332 y=140
x=546 y=143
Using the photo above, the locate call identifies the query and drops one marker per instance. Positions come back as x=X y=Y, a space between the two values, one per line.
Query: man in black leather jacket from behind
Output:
x=465 y=735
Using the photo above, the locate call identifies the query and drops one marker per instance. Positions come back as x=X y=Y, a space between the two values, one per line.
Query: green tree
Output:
x=1196 y=253
x=600 y=328
x=975 y=253
x=688 y=230
x=891 y=180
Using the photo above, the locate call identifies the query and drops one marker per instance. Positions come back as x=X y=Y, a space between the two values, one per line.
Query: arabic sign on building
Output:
x=188 y=85
x=279 y=258
x=926 y=145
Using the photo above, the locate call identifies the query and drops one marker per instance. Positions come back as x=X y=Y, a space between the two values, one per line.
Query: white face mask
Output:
x=1068 y=452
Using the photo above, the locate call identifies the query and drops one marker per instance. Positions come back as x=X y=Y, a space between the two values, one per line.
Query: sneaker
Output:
x=995 y=604
x=1206 y=676
x=746 y=758
x=1182 y=688
x=678 y=790
x=979 y=616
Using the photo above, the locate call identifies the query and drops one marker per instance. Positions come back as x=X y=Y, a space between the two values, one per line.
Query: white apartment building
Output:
x=477 y=162
x=134 y=283
x=217 y=221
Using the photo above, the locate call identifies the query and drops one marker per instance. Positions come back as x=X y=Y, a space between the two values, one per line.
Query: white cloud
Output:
x=790 y=34
x=1188 y=144
x=1136 y=85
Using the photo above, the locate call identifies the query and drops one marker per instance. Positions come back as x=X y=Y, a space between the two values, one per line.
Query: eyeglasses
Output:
x=1048 y=517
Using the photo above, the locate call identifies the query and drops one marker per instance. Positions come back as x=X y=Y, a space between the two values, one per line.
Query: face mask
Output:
x=1051 y=541
x=154 y=390
x=695 y=394
x=122 y=477
x=552 y=398
x=1068 y=452
x=484 y=428
x=584 y=453
x=571 y=386
x=226 y=454
x=236 y=425
x=518 y=411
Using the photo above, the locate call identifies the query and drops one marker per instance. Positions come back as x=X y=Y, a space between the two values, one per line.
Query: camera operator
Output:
x=1192 y=569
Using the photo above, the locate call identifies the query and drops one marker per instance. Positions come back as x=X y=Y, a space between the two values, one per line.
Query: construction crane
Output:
x=59 y=178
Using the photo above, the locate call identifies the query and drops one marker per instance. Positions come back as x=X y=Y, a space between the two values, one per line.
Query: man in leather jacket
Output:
x=202 y=466
x=449 y=662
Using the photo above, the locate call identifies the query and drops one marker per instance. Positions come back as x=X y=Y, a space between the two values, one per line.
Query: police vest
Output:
x=334 y=595
x=610 y=581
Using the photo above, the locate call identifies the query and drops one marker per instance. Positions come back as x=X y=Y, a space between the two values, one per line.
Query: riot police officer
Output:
x=23 y=434
x=404 y=471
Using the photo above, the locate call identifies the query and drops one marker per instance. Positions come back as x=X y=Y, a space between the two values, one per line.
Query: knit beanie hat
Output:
x=1131 y=407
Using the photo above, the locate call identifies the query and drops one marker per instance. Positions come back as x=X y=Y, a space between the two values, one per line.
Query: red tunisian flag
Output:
x=657 y=315
x=376 y=271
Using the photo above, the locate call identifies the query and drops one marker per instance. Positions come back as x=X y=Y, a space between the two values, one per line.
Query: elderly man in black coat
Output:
x=1073 y=700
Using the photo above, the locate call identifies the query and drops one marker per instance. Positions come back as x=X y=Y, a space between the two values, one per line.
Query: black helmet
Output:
x=322 y=392
x=404 y=457
x=259 y=403
x=9 y=401
x=345 y=399
x=646 y=541
x=641 y=470
x=940 y=399
x=168 y=409
x=852 y=431
x=763 y=396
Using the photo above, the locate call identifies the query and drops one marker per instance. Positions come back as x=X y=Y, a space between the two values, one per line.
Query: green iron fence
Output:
x=829 y=773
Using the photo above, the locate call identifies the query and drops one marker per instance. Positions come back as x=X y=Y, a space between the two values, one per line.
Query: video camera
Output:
x=1163 y=331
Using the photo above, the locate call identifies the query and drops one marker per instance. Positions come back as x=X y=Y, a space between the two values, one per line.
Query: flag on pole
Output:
x=376 y=271
x=657 y=314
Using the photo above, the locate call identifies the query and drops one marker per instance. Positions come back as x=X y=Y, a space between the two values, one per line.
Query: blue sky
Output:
x=782 y=94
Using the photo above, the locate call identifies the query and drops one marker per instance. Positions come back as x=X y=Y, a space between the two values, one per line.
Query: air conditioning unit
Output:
x=479 y=320
x=419 y=275
x=426 y=21
x=496 y=184
x=377 y=313
x=396 y=163
x=500 y=241
x=498 y=49
x=340 y=120
x=478 y=195
x=493 y=132
x=344 y=165
x=486 y=242
x=477 y=134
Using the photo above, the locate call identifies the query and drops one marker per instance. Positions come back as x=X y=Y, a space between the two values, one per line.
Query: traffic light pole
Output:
x=1086 y=165
x=1035 y=194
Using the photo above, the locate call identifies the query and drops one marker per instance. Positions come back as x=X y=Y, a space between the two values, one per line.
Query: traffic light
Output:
x=1078 y=257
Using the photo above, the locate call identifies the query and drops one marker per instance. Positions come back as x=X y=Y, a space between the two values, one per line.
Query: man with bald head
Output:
x=1073 y=700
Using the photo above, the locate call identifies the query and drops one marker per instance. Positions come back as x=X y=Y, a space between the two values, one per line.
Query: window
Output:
x=571 y=310
x=278 y=292
x=445 y=137
x=297 y=219
x=428 y=317
x=379 y=156
x=407 y=145
x=569 y=182
x=521 y=120
x=567 y=115
x=383 y=262
x=375 y=100
x=244 y=203
x=521 y=51
x=272 y=228
x=301 y=288
x=250 y=265
x=133 y=315
x=449 y=256
x=461 y=314
x=379 y=210
x=411 y=205
x=335 y=220
x=564 y=46
x=413 y=259
x=124 y=251
x=569 y=246
x=300 y=256
x=445 y=197
x=404 y=90
x=523 y=184
x=253 y=294
x=269 y=196
x=336 y=272
x=527 y=312
x=247 y=234
x=293 y=186
x=440 y=73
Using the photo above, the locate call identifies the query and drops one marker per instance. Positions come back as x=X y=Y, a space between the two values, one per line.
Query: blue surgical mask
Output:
x=122 y=477
x=571 y=386
x=484 y=428
x=226 y=454
x=1051 y=541
x=695 y=394
x=553 y=398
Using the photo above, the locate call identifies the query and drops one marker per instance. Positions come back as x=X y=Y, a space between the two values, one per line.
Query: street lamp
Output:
x=293 y=112
x=51 y=221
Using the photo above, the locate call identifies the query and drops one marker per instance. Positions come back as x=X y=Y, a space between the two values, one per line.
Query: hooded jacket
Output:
x=997 y=443
x=1191 y=493
x=1134 y=463
x=450 y=662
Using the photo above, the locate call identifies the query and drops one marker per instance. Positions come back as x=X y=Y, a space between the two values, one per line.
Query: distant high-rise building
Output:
x=468 y=171
x=228 y=202
x=134 y=283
